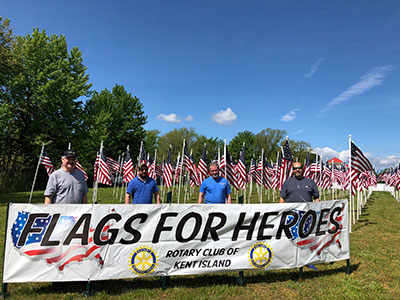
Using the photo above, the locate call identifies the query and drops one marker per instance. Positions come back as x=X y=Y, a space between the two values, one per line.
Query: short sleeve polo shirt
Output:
x=142 y=191
x=215 y=190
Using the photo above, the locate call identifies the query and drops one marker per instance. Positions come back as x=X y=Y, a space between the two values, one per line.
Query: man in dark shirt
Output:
x=299 y=188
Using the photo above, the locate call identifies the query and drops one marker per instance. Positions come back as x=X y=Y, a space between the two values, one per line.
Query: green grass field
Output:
x=375 y=260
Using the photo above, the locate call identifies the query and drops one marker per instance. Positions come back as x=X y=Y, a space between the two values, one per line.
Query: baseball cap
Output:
x=70 y=152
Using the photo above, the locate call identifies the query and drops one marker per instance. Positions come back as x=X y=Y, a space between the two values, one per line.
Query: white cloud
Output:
x=314 y=67
x=290 y=116
x=171 y=118
x=328 y=153
x=189 y=118
x=224 y=117
x=378 y=162
x=298 y=131
x=373 y=78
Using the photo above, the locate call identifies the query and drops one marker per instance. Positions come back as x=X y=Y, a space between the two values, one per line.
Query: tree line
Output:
x=46 y=98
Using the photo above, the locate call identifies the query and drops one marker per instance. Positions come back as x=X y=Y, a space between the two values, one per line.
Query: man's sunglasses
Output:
x=297 y=168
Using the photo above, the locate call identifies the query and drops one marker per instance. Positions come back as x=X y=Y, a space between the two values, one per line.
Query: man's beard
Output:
x=299 y=177
x=143 y=176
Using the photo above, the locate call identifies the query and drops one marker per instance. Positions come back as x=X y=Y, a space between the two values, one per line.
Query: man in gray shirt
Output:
x=66 y=185
x=299 y=188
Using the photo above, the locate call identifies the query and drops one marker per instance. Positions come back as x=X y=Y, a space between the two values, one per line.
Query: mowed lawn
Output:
x=375 y=260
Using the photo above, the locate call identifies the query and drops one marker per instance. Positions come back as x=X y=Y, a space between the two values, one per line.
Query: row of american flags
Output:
x=356 y=176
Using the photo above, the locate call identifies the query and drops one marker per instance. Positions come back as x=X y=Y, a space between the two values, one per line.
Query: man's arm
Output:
x=316 y=193
x=282 y=200
x=127 y=198
x=157 y=195
x=228 y=199
x=201 y=195
x=84 y=199
x=48 y=199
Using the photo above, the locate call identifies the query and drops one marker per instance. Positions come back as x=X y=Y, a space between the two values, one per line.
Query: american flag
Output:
x=168 y=170
x=202 y=166
x=241 y=170
x=187 y=162
x=128 y=167
x=358 y=160
x=104 y=174
x=312 y=241
x=159 y=170
x=327 y=177
x=61 y=255
x=80 y=168
x=96 y=166
x=178 y=168
x=113 y=165
x=193 y=174
x=286 y=167
x=46 y=162
x=152 y=169
x=276 y=175
x=227 y=169
x=142 y=155
x=264 y=175
x=307 y=167
x=252 y=171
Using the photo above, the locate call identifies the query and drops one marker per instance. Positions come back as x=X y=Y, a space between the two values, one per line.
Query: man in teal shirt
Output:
x=215 y=188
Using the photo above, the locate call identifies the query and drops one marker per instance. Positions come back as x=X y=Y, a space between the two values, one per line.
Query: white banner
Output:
x=98 y=242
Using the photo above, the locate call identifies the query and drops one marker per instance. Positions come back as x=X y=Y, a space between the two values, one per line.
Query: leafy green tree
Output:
x=117 y=119
x=299 y=150
x=175 y=138
x=6 y=59
x=212 y=145
x=236 y=144
x=151 y=142
x=270 y=140
x=39 y=102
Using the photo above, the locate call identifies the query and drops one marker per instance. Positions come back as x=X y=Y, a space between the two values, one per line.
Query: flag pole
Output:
x=116 y=174
x=162 y=183
x=262 y=175
x=96 y=185
x=225 y=157
x=350 y=184
x=120 y=173
x=180 y=174
x=37 y=169
x=245 y=184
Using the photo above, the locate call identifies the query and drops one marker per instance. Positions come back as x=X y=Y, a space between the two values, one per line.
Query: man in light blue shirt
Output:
x=215 y=189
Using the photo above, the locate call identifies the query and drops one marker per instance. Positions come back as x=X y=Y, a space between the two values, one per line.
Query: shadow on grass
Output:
x=118 y=287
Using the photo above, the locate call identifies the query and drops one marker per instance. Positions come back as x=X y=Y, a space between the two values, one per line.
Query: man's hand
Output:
x=157 y=197
x=47 y=199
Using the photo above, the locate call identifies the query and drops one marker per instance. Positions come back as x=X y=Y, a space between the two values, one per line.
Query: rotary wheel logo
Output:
x=143 y=260
x=260 y=255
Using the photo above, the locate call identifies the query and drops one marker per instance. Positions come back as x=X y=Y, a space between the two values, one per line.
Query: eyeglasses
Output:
x=297 y=168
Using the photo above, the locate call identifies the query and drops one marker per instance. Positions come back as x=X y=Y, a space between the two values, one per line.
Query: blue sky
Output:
x=320 y=70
